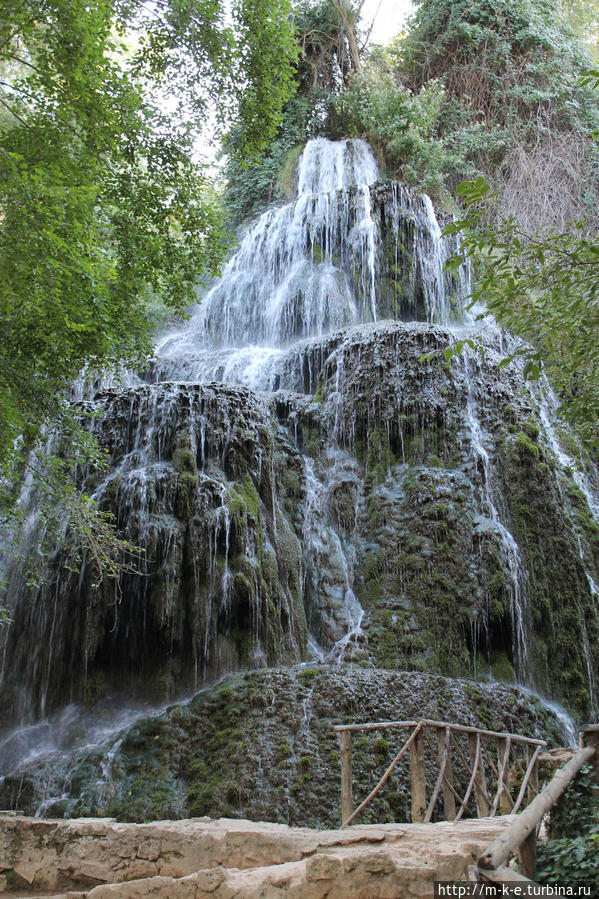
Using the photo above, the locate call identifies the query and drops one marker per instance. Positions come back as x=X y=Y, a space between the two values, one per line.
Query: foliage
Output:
x=577 y=811
x=544 y=288
x=509 y=62
x=574 y=855
x=402 y=126
x=489 y=88
x=54 y=470
x=570 y=861
x=583 y=18
x=101 y=201
x=326 y=37
x=251 y=187
x=512 y=109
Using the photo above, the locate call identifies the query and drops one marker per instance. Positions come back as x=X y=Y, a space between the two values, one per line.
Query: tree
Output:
x=401 y=125
x=583 y=17
x=513 y=109
x=544 y=287
x=102 y=204
x=327 y=35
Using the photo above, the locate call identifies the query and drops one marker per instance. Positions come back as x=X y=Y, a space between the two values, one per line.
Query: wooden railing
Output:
x=512 y=764
x=486 y=758
x=521 y=835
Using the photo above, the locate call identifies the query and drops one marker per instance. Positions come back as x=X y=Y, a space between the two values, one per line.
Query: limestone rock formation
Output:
x=222 y=859
x=312 y=483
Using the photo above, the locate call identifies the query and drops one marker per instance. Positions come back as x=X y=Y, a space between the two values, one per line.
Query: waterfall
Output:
x=312 y=267
x=514 y=569
x=548 y=414
x=324 y=553
x=307 y=479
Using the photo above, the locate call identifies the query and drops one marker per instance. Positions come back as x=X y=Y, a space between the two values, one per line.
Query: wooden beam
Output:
x=460 y=728
x=346 y=775
x=483 y=803
x=503 y=755
x=417 y=779
x=475 y=765
x=447 y=783
x=442 y=762
x=589 y=736
x=506 y=803
x=407 y=745
x=531 y=775
x=444 y=738
x=533 y=767
x=375 y=725
x=516 y=833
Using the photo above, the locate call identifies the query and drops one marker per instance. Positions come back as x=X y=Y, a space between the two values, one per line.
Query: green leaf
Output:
x=453 y=263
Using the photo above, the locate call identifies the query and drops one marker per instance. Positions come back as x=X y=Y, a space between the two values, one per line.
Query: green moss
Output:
x=14 y=881
x=286 y=175
x=187 y=484
x=243 y=500
x=307 y=675
x=502 y=669
x=184 y=461
x=109 y=495
x=381 y=747
x=320 y=395
x=526 y=447
x=283 y=750
x=558 y=595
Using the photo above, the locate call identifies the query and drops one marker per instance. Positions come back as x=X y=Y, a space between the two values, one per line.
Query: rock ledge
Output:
x=233 y=859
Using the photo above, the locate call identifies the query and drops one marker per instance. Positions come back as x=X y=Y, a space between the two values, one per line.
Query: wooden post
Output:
x=443 y=741
x=503 y=760
x=483 y=803
x=418 y=779
x=527 y=854
x=533 y=782
x=346 y=775
x=589 y=736
x=527 y=821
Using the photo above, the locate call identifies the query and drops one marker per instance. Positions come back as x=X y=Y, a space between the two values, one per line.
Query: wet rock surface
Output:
x=262 y=746
x=311 y=483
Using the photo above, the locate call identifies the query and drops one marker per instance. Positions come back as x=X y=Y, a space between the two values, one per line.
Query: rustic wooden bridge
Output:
x=498 y=772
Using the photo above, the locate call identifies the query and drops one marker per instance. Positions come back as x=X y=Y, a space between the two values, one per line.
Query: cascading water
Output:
x=324 y=553
x=309 y=481
x=302 y=271
x=516 y=574
x=309 y=268
x=548 y=414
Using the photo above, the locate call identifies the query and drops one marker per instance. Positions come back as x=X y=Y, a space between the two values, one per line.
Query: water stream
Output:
x=514 y=568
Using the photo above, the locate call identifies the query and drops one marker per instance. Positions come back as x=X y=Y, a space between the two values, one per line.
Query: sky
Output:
x=389 y=17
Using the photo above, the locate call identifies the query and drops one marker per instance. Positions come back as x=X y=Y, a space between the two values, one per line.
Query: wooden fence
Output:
x=500 y=771
x=487 y=762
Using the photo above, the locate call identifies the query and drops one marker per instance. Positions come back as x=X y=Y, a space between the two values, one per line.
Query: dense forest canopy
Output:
x=106 y=217
x=102 y=201
x=108 y=222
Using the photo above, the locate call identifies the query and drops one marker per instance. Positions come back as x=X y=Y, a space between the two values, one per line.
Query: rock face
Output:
x=313 y=485
x=262 y=746
x=222 y=859
x=204 y=481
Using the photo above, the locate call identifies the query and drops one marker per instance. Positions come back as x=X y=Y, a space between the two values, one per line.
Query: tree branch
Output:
x=13 y=113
